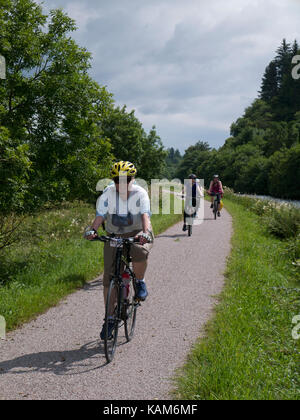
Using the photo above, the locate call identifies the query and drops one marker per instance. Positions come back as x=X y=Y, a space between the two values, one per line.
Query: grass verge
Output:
x=51 y=260
x=248 y=351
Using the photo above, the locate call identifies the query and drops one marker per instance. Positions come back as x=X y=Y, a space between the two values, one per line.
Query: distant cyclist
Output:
x=193 y=194
x=215 y=187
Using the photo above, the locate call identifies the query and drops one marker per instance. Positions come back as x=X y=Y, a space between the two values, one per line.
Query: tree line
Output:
x=262 y=154
x=60 y=131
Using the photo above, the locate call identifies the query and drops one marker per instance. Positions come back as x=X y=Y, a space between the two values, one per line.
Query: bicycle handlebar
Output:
x=112 y=239
x=214 y=193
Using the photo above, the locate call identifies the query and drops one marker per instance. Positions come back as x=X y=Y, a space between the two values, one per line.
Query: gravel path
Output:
x=59 y=355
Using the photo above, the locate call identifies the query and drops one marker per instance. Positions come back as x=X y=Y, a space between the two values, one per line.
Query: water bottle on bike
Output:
x=126 y=283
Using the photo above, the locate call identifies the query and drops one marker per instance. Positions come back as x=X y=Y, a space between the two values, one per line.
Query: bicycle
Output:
x=120 y=295
x=190 y=213
x=216 y=203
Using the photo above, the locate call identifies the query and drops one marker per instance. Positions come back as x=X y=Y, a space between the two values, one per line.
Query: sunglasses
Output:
x=117 y=180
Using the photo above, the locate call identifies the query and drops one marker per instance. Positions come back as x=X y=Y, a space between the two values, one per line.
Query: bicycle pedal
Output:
x=138 y=301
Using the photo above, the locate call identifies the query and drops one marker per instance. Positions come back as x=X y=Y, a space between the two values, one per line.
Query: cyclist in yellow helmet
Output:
x=125 y=208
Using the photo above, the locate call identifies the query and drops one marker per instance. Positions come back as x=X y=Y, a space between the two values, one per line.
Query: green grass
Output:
x=161 y=222
x=51 y=260
x=248 y=351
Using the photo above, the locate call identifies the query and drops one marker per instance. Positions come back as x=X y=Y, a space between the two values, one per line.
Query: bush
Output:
x=280 y=220
x=284 y=223
x=293 y=248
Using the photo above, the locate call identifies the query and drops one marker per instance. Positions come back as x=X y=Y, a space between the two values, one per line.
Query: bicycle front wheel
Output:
x=190 y=230
x=111 y=315
x=215 y=209
x=130 y=306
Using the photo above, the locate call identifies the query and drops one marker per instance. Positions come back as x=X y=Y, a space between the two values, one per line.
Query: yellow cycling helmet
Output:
x=123 y=168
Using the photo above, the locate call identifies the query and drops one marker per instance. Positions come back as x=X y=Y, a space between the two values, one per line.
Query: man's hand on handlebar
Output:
x=144 y=238
x=90 y=234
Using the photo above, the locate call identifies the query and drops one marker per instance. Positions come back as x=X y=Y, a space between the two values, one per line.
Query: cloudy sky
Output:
x=189 y=67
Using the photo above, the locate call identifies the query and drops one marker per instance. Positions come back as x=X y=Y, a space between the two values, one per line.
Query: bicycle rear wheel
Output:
x=130 y=306
x=190 y=230
x=113 y=299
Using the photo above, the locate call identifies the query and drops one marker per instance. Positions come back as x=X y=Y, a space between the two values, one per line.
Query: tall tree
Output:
x=283 y=60
x=172 y=161
x=49 y=101
x=126 y=134
x=269 y=87
x=190 y=162
x=153 y=156
x=295 y=48
x=130 y=142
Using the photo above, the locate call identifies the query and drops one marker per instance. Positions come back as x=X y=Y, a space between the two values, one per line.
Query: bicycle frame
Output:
x=217 y=201
x=120 y=258
x=217 y=196
x=123 y=259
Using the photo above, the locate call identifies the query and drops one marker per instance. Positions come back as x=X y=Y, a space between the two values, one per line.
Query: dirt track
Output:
x=59 y=356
